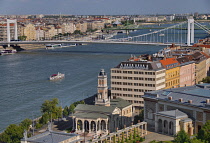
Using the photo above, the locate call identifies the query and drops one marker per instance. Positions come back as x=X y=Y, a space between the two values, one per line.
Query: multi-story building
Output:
x=3 y=31
x=29 y=31
x=171 y=110
x=172 y=72
x=200 y=66
x=187 y=72
x=130 y=79
x=68 y=28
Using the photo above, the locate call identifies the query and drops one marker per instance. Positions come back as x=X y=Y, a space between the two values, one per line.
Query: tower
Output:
x=190 y=31
x=102 y=93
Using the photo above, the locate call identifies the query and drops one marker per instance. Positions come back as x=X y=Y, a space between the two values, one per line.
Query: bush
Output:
x=38 y=125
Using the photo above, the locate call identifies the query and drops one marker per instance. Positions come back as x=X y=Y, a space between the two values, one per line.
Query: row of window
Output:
x=133 y=84
x=133 y=72
x=127 y=95
x=172 y=83
x=130 y=89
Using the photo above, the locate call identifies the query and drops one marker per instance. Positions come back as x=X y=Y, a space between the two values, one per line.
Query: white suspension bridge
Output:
x=180 y=34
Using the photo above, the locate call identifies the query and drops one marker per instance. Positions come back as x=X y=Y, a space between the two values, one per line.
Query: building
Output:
x=107 y=115
x=3 y=31
x=29 y=31
x=52 y=137
x=174 y=109
x=172 y=72
x=187 y=72
x=130 y=79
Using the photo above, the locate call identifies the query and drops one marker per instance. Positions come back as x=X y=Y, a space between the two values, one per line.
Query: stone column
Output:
x=204 y=118
x=195 y=117
x=156 y=124
x=145 y=128
x=96 y=123
x=106 y=126
x=90 y=126
x=75 y=125
x=83 y=125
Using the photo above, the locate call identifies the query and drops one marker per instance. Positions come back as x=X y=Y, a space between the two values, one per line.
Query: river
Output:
x=24 y=77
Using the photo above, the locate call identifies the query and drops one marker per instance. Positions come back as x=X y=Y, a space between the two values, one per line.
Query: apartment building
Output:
x=3 y=31
x=172 y=72
x=130 y=79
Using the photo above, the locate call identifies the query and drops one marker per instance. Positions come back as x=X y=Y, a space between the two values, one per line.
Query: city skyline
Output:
x=103 y=7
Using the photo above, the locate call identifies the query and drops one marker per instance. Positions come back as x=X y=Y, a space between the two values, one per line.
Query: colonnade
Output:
x=89 y=125
x=140 y=129
x=165 y=127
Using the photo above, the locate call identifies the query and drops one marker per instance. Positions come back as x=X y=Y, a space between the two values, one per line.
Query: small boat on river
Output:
x=57 y=76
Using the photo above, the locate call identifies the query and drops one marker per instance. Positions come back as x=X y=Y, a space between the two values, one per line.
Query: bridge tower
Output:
x=190 y=31
x=8 y=29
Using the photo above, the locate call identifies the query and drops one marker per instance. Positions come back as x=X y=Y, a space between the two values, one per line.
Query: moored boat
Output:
x=7 y=52
x=57 y=76
x=53 y=46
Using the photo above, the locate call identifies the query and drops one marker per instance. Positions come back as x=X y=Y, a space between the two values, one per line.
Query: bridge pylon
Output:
x=8 y=30
x=190 y=31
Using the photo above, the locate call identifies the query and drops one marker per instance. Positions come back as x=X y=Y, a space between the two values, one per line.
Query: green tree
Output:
x=66 y=111
x=12 y=134
x=71 y=108
x=206 y=80
x=44 y=119
x=23 y=38
x=25 y=124
x=139 y=117
x=195 y=140
x=51 y=108
x=204 y=133
x=182 y=137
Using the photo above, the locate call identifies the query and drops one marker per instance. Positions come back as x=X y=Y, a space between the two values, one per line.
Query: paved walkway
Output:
x=156 y=136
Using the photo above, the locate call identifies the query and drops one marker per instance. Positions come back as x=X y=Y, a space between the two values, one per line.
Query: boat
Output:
x=161 y=34
x=57 y=76
x=7 y=52
x=53 y=46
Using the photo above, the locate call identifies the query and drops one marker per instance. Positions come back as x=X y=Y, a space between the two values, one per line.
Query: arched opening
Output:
x=86 y=126
x=103 y=125
x=165 y=127
x=171 y=128
x=160 y=124
x=93 y=126
x=79 y=125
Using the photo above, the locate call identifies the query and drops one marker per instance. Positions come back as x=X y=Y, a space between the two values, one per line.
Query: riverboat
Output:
x=7 y=52
x=57 y=76
x=53 y=46
x=161 y=34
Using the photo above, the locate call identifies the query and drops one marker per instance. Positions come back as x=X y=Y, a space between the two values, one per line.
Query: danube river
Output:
x=24 y=77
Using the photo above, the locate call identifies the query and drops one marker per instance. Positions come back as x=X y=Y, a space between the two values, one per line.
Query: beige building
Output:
x=175 y=109
x=3 y=31
x=130 y=79
x=68 y=28
x=107 y=115
x=95 y=25
x=29 y=31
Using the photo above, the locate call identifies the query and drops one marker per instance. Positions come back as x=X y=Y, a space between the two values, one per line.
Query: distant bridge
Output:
x=165 y=36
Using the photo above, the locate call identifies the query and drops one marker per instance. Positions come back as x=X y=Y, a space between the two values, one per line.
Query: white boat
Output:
x=57 y=76
x=7 y=52
x=53 y=46
x=161 y=34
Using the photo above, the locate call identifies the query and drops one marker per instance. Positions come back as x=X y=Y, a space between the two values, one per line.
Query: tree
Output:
x=182 y=137
x=51 y=108
x=23 y=38
x=44 y=119
x=25 y=124
x=12 y=134
x=204 y=133
x=66 y=111
x=196 y=141
x=139 y=117
x=71 y=108
x=206 y=80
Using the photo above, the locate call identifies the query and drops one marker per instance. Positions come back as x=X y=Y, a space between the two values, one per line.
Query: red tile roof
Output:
x=172 y=62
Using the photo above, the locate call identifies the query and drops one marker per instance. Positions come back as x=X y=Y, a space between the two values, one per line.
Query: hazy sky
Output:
x=103 y=7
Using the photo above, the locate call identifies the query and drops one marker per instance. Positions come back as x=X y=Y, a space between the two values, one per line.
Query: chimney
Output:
x=207 y=101
x=190 y=101
x=170 y=98
x=180 y=99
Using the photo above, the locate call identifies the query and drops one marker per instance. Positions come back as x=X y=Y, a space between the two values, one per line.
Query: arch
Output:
x=103 y=125
x=79 y=125
x=160 y=125
x=86 y=126
x=171 y=128
x=93 y=126
x=165 y=125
